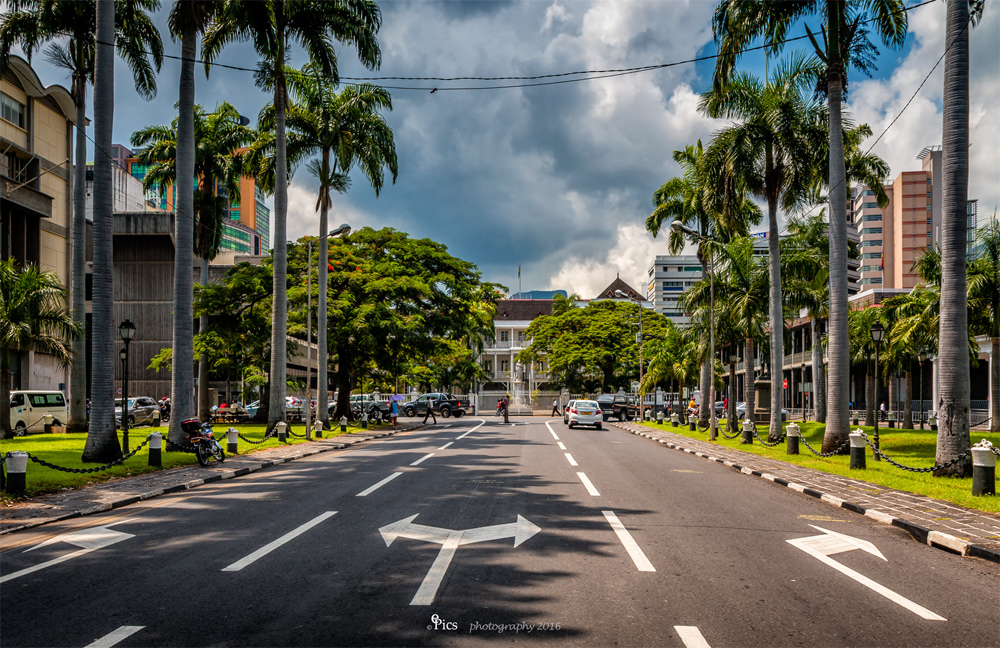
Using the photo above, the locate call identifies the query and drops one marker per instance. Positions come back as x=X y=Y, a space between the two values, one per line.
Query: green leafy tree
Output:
x=33 y=317
x=984 y=297
x=272 y=26
x=768 y=152
x=845 y=45
x=66 y=31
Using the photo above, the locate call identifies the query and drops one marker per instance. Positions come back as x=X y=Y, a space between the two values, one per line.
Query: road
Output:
x=474 y=532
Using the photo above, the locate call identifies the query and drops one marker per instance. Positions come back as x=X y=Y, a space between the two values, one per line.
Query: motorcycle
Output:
x=200 y=436
x=164 y=414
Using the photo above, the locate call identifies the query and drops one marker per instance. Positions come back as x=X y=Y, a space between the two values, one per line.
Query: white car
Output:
x=28 y=410
x=566 y=411
x=585 y=412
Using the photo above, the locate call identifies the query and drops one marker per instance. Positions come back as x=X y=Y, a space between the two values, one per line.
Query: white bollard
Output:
x=17 y=471
x=318 y=429
x=858 y=460
x=155 y=449
x=232 y=440
x=793 y=433
x=984 y=469
x=281 y=426
x=343 y=424
x=748 y=429
x=47 y=423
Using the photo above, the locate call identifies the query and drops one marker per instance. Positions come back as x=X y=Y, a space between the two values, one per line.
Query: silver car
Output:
x=140 y=411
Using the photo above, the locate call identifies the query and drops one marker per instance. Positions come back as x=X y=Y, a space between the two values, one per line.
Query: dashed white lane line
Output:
x=588 y=484
x=372 y=489
x=631 y=546
x=554 y=435
x=691 y=637
x=271 y=546
x=113 y=638
x=561 y=446
x=570 y=459
x=481 y=424
x=422 y=459
x=446 y=445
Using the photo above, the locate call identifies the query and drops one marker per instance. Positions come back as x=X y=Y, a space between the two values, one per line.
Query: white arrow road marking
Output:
x=482 y=422
x=268 y=548
x=588 y=484
x=561 y=445
x=450 y=541
x=372 y=489
x=113 y=638
x=631 y=546
x=823 y=546
x=446 y=445
x=422 y=459
x=551 y=431
x=570 y=459
x=691 y=637
x=87 y=539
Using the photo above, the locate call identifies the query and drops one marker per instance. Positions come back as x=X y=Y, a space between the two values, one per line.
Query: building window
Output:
x=12 y=110
x=692 y=269
x=871 y=255
x=871 y=218
x=869 y=205
x=877 y=242
x=505 y=365
x=870 y=230
x=520 y=336
x=505 y=336
x=14 y=167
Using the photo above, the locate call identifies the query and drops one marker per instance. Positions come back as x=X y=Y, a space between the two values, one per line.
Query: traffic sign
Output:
x=119 y=391
x=786 y=383
x=635 y=385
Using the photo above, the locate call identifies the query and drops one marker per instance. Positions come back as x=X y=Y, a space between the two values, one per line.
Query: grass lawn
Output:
x=909 y=447
x=66 y=449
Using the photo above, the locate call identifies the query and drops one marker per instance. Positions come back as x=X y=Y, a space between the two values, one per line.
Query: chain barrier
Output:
x=270 y=434
x=878 y=452
x=184 y=447
x=735 y=434
x=768 y=444
x=295 y=434
x=826 y=454
x=107 y=466
x=37 y=421
x=985 y=443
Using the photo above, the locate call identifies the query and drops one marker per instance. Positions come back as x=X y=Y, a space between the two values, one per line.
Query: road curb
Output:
x=936 y=539
x=219 y=475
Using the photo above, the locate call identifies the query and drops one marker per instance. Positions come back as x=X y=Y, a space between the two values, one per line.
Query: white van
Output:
x=28 y=408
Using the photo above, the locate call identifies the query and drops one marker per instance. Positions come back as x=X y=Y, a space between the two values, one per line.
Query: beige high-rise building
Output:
x=36 y=134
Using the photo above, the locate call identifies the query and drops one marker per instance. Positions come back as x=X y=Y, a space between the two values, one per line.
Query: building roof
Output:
x=33 y=87
x=522 y=309
x=618 y=284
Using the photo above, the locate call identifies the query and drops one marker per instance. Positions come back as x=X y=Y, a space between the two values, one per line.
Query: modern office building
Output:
x=669 y=276
x=36 y=196
x=126 y=192
x=248 y=209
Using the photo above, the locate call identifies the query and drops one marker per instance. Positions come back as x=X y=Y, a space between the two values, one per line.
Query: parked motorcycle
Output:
x=205 y=446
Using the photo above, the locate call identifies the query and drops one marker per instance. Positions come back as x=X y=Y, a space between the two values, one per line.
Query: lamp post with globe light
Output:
x=878 y=332
x=127 y=331
x=681 y=228
x=922 y=356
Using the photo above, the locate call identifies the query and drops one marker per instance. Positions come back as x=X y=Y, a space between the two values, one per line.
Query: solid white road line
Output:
x=429 y=587
x=482 y=422
x=548 y=424
x=268 y=548
x=112 y=638
x=372 y=489
x=561 y=446
x=446 y=445
x=570 y=459
x=691 y=637
x=635 y=553
x=590 y=486
x=422 y=459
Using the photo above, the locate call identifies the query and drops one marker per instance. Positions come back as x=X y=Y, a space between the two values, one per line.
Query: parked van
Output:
x=29 y=407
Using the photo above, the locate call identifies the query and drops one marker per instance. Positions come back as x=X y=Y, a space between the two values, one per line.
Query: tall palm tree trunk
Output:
x=182 y=374
x=102 y=438
x=776 y=319
x=819 y=374
x=837 y=415
x=871 y=394
x=322 y=409
x=204 y=407
x=731 y=406
x=954 y=380
x=748 y=379
x=907 y=422
x=78 y=372
x=706 y=369
x=893 y=394
x=279 y=308
x=995 y=374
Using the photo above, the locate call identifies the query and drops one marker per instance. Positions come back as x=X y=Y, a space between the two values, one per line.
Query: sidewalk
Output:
x=940 y=524
x=122 y=492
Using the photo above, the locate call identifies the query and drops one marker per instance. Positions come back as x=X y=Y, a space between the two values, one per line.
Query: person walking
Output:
x=555 y=407
x=430 y=413
x=506 y=409
x=394 y=411
x=882 y=410
x=499 y=407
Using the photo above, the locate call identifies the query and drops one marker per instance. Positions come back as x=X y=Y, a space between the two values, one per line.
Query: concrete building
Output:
x=669 y=276
x=36 y=197
x=127 y=194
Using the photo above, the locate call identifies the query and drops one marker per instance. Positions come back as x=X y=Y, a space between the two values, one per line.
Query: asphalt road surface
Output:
x=473 y=532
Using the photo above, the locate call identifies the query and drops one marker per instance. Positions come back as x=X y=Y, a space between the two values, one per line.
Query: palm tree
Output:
x=688 y=199
x=346 y=129
x=33 y=316
x=272 y=25
x=32 y=23
x=217 y=164
x=102 y=440
x=767 y=152
x=984 y=294
x=863 y=352
x=846 y=45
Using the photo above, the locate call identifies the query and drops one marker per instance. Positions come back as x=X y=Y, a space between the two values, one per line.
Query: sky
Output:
x=557 y=179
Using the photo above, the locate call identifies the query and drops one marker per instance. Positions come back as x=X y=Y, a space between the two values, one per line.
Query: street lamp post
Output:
x=320 y=402
x=127 y=331
x=680 y=227
x=638 y=303
x=734 y=360
x=805 y=393
x=922 y=356
x=877 y=331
